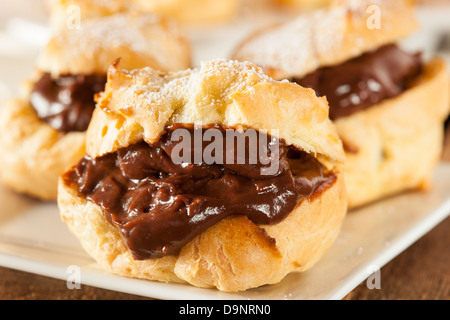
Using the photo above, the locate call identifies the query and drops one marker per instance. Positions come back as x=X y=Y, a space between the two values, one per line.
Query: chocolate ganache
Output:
x=66 y=103
x=365 y=81
x=159 y=204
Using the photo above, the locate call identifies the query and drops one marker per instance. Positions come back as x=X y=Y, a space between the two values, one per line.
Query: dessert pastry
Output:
x=42 y=132
x=304 y=4
x=388 y=105
x=193 y=11
x=169 y=190
x=64 y=13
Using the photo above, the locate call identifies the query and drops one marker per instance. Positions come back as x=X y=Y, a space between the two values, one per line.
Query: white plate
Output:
x=33 y=239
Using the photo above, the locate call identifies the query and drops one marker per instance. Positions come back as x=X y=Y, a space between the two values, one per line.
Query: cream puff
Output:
x=168 y=189
x=42 y=132
x=388 y=105
x=66 y=13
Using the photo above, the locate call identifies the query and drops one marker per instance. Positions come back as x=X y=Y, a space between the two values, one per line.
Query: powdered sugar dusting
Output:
x=296 y=44
x=302 y=45
x=207 y=88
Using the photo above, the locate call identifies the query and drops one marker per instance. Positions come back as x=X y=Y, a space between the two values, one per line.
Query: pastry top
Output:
x=328 y=36
x=139 y=40
x=138 y=104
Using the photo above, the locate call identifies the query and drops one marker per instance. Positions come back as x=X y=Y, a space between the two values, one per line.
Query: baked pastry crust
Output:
x=33 y=154
x=235 y=254
x=325 y=37
x=398 y=142
x=65 y=14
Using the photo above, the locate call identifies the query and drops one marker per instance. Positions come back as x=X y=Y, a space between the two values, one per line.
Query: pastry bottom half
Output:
x=233 y=255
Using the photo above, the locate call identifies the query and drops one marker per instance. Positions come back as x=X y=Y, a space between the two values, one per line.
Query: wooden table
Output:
x=420 y=273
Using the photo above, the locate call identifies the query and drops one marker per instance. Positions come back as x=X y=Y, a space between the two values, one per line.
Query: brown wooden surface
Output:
x=420 y=273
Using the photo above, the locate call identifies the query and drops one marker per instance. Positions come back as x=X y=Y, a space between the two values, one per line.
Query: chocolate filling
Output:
x=159 y=205
x=364 y=81
x=66 y=103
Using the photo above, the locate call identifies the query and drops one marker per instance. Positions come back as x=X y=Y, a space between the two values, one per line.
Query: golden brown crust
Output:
x=193 y=11
x=138 y=104
x=103 y=242
x=386 y=143
x=399 y=142
x=327 y=37
x=32 y=154
x=304 y=4
x=233 y=255
x=138 y=39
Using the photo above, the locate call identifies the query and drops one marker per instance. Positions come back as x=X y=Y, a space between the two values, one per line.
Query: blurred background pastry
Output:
x=304 y=4
x=66 y=14
x=225 y=224
x=42 y=132
x=190 y=12
x=389 y=105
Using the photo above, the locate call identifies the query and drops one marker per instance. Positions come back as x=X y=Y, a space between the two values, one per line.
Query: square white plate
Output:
x=33 y=239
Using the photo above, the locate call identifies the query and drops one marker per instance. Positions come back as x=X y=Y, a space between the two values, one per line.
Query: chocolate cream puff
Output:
x=168 y=190
x=388 y=105
x=42 y=132
x=192 y=12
